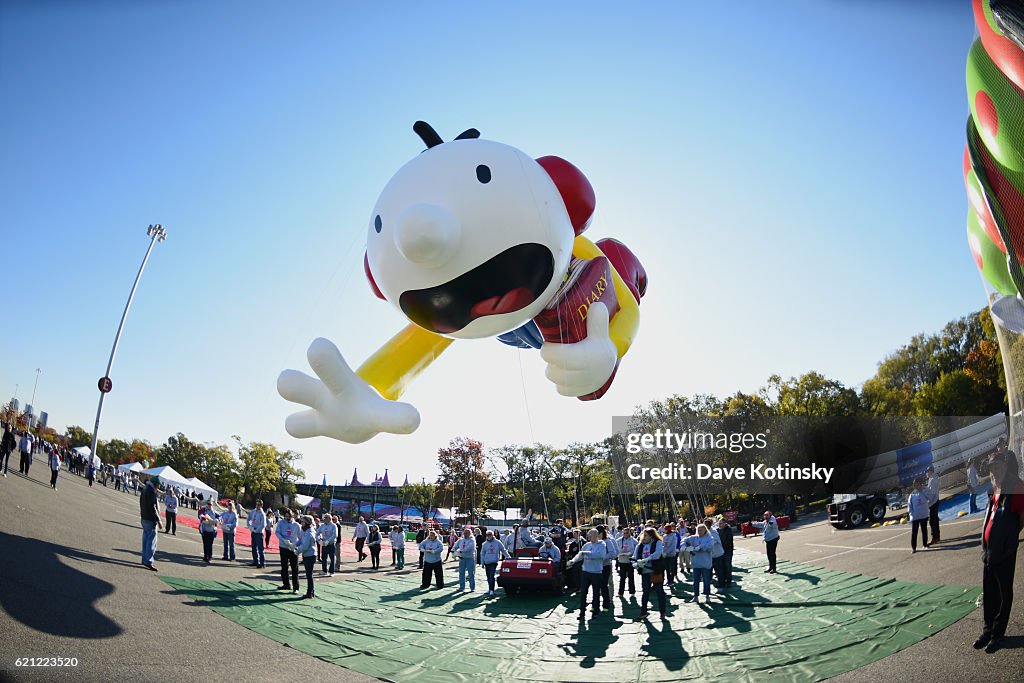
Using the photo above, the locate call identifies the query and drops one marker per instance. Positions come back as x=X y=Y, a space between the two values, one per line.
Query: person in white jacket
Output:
x=627 y=546
x=917 y=507
x=491 y=553
x=465 y=551
x=306 y=547
x=54 y=468
x=228 y=522
x=397 y=537
x=327 y=534
x=770 y=535
x=671 y=540
x=287 y=533
x=592 y=575
x=257 y=523
x=650 y=549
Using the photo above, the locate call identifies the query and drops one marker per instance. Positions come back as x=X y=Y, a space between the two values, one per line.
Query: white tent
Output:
x=130 y=467
x=84 y=451
x=200 y=487
x=167 y=475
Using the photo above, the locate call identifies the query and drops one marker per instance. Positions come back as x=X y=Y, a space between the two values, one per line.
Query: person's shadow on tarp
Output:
x=593 y=639
x=45 y=594
x=665 y=645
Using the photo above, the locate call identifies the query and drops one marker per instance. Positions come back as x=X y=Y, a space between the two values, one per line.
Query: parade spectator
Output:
x=558 y=535
x=257 y=523
x=453 y=538
x=208 y=530
x=25 y=446
x=549 y=551
x=717 y=551
x=307 y=549
x=917 y=506
x=491 y=553
x=228 y=522
x=770 y=535
x=373 y=541
x=526 y=537
x=359 y=536
x=700 y=546
x=725 y=533
x=611 y=552
x=972 y=486
x=671 y=553
x=465 y=552
x=7 y=444
x=268 y=531
x=171 y=512
x=54 y=460
x=627 y=546
x=1004 y=519
x=150 y=514
x=650 y=564
x=421 y=535
x=287 y=533
x=431 y=550
x=397 y=537
x=592 y=573
x=932 y=491
x=327 y=535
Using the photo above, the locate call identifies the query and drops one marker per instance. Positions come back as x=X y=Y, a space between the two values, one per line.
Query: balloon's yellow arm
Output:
x=394 y=366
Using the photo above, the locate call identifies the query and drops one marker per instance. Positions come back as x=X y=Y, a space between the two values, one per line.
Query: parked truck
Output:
x=849 y=510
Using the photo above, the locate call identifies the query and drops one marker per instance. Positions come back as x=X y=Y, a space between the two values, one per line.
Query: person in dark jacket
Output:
x=7 y=444
x=150 y=514
x=725 y=533
x=421 y=536
x=1004 y=518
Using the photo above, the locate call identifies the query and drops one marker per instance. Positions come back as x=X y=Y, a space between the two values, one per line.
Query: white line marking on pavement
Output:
x=870 y=545
x=848 y=547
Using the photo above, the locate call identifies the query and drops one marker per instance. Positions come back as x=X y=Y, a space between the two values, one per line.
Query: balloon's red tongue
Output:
x=513 y=300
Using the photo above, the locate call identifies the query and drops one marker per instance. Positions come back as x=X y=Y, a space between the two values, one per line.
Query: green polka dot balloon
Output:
x=994 y=155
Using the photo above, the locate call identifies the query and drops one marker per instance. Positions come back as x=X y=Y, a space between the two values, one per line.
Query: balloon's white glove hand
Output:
x=583 y=368
x=342 y=405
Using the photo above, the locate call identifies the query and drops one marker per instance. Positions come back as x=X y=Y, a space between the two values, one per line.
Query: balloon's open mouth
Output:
x=506 y=283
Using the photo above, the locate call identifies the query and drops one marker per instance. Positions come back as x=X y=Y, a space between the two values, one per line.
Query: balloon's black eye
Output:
x=377 y=225
x=483 y=174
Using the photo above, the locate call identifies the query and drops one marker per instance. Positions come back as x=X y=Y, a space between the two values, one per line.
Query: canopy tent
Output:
x=84 y=451
x=304 y=501
x=130 y=467
x=200 y=487
x=167 y=475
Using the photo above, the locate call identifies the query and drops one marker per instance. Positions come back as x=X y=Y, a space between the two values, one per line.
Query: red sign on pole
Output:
x=105 y=384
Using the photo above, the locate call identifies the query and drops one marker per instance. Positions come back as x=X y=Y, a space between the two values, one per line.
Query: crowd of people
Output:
x=662 y=555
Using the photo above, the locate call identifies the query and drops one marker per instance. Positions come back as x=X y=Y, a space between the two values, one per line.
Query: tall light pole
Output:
x=156 y=234
x=34 y=386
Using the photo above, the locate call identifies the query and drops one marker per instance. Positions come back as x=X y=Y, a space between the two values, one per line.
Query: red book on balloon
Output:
x=564 y=320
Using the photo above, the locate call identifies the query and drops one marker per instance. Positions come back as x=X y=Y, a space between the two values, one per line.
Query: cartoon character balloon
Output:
x=470 y=239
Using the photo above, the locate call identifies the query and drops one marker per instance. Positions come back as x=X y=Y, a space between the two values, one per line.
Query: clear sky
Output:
x=789 y=173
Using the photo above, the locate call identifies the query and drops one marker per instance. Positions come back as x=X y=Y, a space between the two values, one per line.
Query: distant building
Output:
x=28 y=409
x=14 y=404
x=42 y=418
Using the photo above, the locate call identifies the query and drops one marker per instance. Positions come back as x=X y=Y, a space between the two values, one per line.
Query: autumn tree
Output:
x=462 y=474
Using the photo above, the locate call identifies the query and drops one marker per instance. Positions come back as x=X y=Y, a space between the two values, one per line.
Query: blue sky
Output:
x=789 y=173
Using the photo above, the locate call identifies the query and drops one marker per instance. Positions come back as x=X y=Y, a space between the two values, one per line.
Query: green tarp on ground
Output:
x=802 y=624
